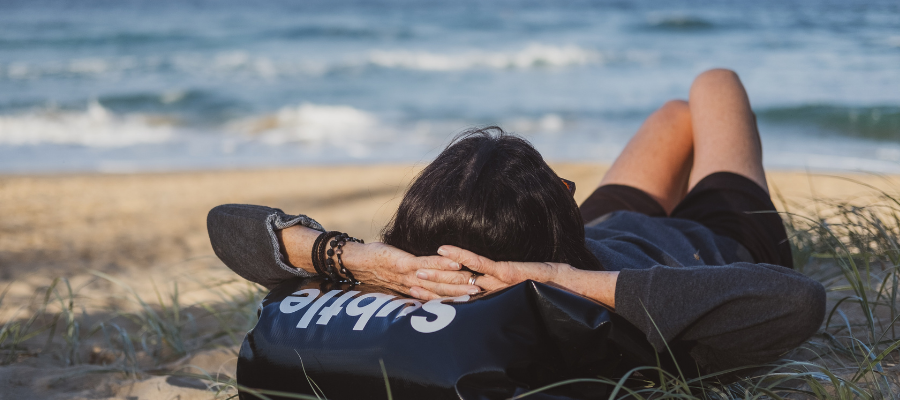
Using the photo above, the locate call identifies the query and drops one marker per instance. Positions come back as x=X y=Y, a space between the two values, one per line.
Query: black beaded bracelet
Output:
x=315 y=254
x=337 y=249
x=322 y=256
x=325 y=265
x=329 y=262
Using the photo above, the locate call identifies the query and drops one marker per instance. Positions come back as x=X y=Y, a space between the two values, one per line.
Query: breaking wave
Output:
x=532 y=56
x=240 y=63
x=311 y=123
x=95 y=127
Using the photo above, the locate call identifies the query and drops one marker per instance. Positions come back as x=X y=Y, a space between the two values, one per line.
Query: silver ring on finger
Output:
x=472 y=279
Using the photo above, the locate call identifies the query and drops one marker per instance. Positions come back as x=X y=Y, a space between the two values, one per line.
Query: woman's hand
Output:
x=388 y=266
x=497 y=274
x=598 y=285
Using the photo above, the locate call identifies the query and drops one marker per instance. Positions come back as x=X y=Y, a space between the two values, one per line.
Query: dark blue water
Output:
x=157 y=85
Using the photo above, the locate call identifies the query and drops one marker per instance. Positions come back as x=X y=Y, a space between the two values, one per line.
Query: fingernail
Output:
x=474 y=291
x=412 y=292
x=442 y=252
x=421 y=275
x=454 y=265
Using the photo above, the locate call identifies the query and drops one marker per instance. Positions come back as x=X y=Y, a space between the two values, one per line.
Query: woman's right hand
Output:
x=598 y=285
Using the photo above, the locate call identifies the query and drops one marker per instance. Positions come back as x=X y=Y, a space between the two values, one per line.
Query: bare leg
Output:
x=657 y=160
x=725 y=135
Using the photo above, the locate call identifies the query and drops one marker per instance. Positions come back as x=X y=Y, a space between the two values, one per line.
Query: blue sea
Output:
x=123 y=86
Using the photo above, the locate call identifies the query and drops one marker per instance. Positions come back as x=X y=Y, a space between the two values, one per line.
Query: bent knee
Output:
x=676 y=110
x=715 y=78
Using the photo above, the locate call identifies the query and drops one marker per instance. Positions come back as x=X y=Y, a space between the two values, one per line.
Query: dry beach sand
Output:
x=117 y=236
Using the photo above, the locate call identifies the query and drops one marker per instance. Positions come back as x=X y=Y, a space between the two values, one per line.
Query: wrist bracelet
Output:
x=315 y=254
x=337 y=249
x=327 y=263
x=322 y=256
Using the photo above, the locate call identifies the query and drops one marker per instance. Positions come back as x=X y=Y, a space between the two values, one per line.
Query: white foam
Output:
x=549 y=123
x=532 y=56
x=96 y=127
x=312 y=123
x=240 y=63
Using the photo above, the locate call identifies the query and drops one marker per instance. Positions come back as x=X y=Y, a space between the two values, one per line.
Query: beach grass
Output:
x=852 y=246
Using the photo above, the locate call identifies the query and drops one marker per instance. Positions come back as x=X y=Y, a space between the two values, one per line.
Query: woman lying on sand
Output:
x=681 y=232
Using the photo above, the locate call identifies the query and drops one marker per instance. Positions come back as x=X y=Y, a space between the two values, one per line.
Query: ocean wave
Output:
x=74 y=40
x=231 y=64
x=94 y=127
x=311 y=123
x=532 y=56
x=189 y=105
x=873 y=122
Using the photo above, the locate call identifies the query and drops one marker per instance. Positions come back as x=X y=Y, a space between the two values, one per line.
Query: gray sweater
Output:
x=679 y=283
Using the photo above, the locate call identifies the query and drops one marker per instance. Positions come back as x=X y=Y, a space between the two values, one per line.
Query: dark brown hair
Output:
x=491 y=192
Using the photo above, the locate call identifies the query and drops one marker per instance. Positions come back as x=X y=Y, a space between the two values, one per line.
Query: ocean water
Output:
x=121 y=86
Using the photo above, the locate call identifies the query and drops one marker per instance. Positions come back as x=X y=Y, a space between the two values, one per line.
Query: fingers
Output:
x=460 y=279
x=429 y=262
x=449 y=290
x=451 y=277
x=488 y=282
x=422 y=293
x=469 y=259
x=438 y=262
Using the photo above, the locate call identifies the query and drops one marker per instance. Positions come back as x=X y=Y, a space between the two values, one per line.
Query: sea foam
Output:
x=96 y=127
x=233 y=64
x=310 y=123
x=532 y=56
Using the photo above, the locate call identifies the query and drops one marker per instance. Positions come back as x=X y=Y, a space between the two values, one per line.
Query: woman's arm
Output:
x=375 y=263
x=731 y=316
x=244 y=237
x=597 y=285
x=267 y=246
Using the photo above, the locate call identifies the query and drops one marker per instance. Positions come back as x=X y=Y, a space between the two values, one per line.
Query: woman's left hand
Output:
x=497 y=274
x=385 y=265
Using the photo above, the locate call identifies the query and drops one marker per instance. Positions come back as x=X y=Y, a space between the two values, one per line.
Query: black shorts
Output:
x=728 y=204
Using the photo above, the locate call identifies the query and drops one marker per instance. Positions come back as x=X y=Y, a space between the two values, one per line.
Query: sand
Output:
x=148 y=231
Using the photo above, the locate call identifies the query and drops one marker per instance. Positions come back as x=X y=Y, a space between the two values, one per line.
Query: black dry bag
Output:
x=315 y=337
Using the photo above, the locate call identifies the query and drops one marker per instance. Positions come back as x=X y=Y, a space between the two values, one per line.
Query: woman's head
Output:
x=491 y=193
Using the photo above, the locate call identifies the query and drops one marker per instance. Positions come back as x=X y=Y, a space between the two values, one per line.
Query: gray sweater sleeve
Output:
x=243 y=237
x=732 y=315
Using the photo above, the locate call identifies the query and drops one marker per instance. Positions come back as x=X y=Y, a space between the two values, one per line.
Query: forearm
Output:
x=597 y=285
x=297 y=243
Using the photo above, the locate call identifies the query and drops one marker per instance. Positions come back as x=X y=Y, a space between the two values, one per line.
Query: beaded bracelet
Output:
x=322 y=264
x=337 y=249
x=315 y=254
x=329 y=262
x=322 y=256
